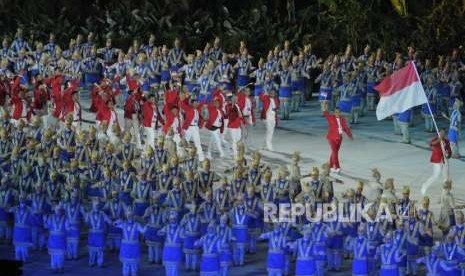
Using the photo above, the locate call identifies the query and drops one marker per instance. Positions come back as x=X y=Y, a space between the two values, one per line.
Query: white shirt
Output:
x=154 y=117
x=24 y=111
x=217 y=122
x=270 y=113
x=175 y=125
x=112 y=121
x=77 y=111
x=248 y=107
x=195 y=120
x=339 y=126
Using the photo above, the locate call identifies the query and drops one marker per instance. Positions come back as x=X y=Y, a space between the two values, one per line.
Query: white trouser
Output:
x=245 y=130
x=270 y=125
x=132 y=125
x=193 y=133
x=215 y=139
x=150 y=136
x=438 y=170
x=236 y=135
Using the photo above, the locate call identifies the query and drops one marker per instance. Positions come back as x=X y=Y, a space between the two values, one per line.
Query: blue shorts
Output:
x=242 y=80
x=326 y=93
x=285 y=92
x=258 y=90
x=345 y=106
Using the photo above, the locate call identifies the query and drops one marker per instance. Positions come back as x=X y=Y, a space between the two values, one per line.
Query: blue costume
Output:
x=172 y=251
x=115 y=211
x=142 y=191
x=56 y=240
x=285 y=92
x=360 y=265
x=191 y=228
x=211 y=248
x=6 y=200
x=335 y=244
x=22 y=235
x=239 y=219
x=97 y=222
x=276 y=251
x=453 y=255
x=73 y=213
x=129 y=253
x=225 y=234
x=455 y=120
x=320 y=237
x=305 y=262
x=413 y=248
x=390 y=257
x=39 y=207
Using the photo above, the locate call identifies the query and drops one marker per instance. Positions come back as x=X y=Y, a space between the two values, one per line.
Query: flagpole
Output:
x=434 y=122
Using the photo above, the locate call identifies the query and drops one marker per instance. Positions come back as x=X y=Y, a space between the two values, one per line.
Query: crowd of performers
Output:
x=345 y=81
x=147 y=181
x=61 y=189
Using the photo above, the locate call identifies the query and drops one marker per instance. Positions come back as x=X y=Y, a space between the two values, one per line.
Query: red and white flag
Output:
x=399 y=92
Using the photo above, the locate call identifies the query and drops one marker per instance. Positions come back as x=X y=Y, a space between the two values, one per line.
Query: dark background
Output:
x=434 y=27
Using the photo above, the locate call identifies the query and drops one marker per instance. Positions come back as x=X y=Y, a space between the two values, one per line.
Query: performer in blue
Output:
x=326 y=87
x=374 y=234
x=432 y=96
x=400 y=238
x=39 y=207
x=224 y=74
x=426 y=221
x=285 y=91
x=129 y=253
x=432 y=262
x=305 y=262
x=211 y=248
x=115 y=211
x=361 y=251
x=22 y=235
x=208 y=211
x=67 y=140
x=259 y=75
x=191 y=229
x=345 y=100
x=126 y=179
x=172 y=251
x=206 y=82
x=277 y=243
x=154 y=218
x=190 y=75
x=335 y=245
x=239 y=221
x=6 y=202
x=19 y=42
x=92 y=68
x=253 y=212
x=243 y=67
x=141 y=192
x=454 y=128
x=358 y=93
x=56 y=225
x=224 y=232
x=413 y=233
x=389 y=255
x=405 y=119
x=452 y=255
x=74 y=213
x=174 y=199
x=320 y=237
x=97 y=221
x=176 y=56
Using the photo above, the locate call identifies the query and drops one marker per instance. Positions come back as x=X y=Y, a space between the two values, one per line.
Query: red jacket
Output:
x=105 y=114
x=19 y=104
x=436 y=151
x=132 y=105
x=68 y=102
x=55 y=83
x=266 y=100
x=169 y=122
x=213 y=113
x=333 y=130
x=41 y=98
x=132 y=83
x=189 y=114
x=171 y=98
x=241 y=101
x=4 y=92
x=148 y=109
x=234 y=115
